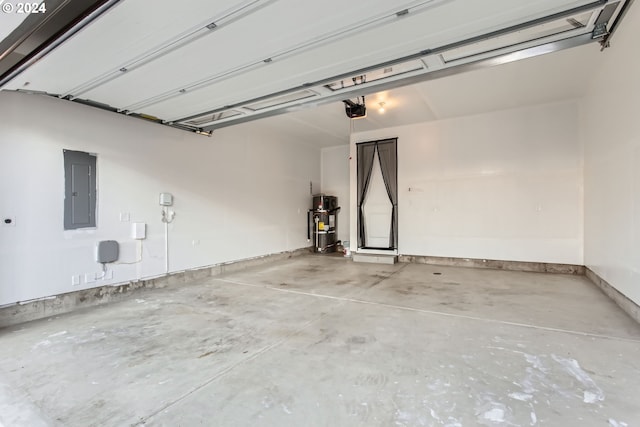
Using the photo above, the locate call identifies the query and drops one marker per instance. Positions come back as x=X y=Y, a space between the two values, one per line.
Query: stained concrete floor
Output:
x=321 y=341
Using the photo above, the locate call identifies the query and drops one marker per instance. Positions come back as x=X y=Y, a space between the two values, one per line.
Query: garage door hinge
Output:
x=600 y=30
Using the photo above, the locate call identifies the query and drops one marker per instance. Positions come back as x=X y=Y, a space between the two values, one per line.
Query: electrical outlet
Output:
x=125 y=217
x=75 y=280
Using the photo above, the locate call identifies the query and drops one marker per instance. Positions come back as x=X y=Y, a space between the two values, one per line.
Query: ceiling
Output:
x=200 y=65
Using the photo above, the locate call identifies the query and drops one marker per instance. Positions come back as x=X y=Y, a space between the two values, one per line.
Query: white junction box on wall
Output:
x=138 y=230
x=166 y=199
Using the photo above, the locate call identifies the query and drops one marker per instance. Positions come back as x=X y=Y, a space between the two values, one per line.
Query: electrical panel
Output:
x=80 y=190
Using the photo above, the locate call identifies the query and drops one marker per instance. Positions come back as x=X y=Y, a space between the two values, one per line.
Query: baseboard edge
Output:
x=536 y=267
x=626 y=304
x=26 y=311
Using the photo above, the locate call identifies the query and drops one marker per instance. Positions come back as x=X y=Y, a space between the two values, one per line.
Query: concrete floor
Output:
x=321 y=341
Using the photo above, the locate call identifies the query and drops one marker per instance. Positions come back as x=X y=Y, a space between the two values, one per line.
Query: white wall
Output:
x=242 y=193
x=503 y=185
x=610 y=123
x=335 y=182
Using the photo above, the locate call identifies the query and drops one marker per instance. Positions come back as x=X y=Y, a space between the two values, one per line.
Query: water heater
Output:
x=322 y=223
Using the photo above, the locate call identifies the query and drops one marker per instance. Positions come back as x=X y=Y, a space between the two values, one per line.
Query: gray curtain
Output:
x=387 y=153
x=365 y=154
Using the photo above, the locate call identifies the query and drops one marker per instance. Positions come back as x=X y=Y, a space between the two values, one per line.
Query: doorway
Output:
x=377 y=173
